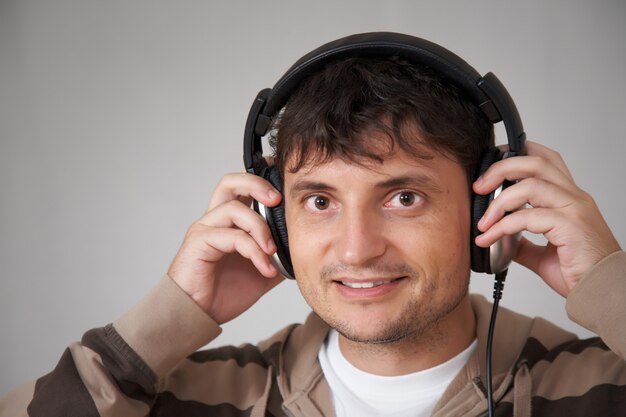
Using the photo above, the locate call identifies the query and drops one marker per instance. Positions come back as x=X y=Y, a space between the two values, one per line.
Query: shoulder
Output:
x=229 y=364
x=575 y=377
x=229 y=378
x=569 y=375
x=226 y=380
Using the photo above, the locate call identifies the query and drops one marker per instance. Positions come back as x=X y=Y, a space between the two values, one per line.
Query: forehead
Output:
x=369 y=149
x=434 y=170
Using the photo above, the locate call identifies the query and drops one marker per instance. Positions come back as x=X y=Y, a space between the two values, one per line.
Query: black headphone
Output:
x=487 y=92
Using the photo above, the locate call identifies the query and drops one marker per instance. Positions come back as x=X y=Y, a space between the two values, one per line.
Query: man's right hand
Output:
x=224 y=261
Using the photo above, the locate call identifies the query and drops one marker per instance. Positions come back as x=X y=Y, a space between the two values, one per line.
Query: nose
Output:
x=359 y=237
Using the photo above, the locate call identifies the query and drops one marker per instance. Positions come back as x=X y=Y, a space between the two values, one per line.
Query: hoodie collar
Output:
x=306 y=393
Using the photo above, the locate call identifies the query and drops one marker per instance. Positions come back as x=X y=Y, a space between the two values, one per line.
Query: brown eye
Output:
x=321 y=202
x=318 y=203
x=407 y=199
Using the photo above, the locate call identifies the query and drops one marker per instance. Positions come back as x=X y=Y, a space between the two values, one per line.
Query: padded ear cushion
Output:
x=275 y=217
x=480 y=256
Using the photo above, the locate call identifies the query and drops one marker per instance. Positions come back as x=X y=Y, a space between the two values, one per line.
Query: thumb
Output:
x=529 y=254
x=543 y=261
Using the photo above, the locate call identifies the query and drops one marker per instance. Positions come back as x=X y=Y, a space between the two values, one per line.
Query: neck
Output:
x=437 y=344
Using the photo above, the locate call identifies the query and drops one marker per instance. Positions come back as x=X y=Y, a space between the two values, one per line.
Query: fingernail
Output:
x=272 y=194
x=271 y=246
x=483 y=220
x=479 y=181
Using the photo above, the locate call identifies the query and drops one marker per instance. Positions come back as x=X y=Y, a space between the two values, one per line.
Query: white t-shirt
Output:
x=358 y=393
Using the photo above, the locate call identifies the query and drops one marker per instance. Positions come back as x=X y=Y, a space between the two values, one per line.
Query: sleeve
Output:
x=598 y=302
x=114 y=370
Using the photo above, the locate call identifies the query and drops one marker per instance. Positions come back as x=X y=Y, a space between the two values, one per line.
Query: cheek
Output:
x=444 y=242
x=304 y=257
x=458 y=235
x=301 y=244
x=457 y=230
x=308 y=240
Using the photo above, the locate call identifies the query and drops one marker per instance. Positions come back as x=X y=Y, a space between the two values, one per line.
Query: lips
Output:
x=367 y=284
x=364 y=285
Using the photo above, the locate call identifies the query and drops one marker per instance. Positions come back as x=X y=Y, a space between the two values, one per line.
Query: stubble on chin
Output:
x=418 y=320
x=417 y=323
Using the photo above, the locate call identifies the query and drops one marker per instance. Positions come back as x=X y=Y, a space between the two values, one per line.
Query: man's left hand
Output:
x=552 y=205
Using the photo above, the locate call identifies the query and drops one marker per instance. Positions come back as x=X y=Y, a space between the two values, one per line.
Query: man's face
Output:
x=380 y=251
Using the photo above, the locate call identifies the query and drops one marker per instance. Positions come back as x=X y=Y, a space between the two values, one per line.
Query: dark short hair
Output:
x=330 y=113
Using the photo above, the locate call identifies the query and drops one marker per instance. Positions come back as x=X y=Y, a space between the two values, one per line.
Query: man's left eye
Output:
x=404 y=199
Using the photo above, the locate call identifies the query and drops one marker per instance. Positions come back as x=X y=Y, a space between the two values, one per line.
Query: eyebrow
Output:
x=420 y=181
x=305 y=185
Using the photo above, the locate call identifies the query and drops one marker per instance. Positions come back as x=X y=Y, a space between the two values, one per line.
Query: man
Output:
x=376 y=158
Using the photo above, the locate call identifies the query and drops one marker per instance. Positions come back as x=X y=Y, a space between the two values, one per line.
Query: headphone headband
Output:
x=377 y=45
x=487 y=92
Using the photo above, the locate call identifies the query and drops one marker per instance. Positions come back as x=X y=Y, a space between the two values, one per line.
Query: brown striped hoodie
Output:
x=144 y=365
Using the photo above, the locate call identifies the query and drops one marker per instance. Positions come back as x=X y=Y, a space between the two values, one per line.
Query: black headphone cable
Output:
x=498 y=286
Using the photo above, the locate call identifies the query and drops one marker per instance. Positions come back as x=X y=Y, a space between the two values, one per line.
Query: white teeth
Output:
x=365 y=284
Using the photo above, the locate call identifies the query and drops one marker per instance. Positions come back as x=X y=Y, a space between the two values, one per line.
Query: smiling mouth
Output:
x=367 y=284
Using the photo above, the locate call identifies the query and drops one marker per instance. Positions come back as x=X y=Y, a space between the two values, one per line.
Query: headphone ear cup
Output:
x=275 y=218
x=480 y=257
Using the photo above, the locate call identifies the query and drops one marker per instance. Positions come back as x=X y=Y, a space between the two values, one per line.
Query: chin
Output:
x=375 y=339
x=371 y=329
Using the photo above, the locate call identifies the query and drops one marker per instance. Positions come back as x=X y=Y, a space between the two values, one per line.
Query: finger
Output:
x=534 y=220
x=531 y=255
x=242 y=186
x=221 y=241
x=543 y=261
x=537 y=149
x=533 y=191
x=236 y=214
x=552 y=156
x=273 y=281
x=518 y=168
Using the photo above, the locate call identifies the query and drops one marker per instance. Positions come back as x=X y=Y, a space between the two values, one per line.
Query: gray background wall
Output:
x=117 y=118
